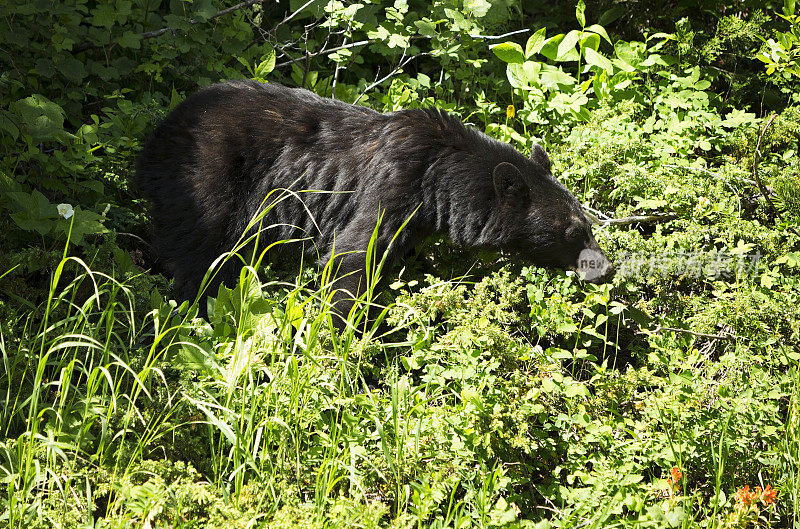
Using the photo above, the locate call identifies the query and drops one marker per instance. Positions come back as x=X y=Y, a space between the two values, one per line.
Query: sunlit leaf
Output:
x=535 y=43
x=509 y=52
x=567 y=45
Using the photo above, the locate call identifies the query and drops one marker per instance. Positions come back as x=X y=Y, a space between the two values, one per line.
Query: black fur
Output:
x=209 y=165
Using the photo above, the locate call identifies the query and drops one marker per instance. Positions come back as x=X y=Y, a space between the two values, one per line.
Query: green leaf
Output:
x=33 y=212
x=622 y=80
x=591 y=40
x=645 y=203
x=43 y=119
x=600 y=30
x=72 y=69
x=130 y=40
x=675 y=516
x=580 y=13
x=595 y=59
x=84 y=222
x=566 y=327
x=265 y=66
x=123 y=10
x=550 y=47
x=737 y=118
x=509 y=52
x=600 y=83
x=396 y=40
x=551 y=77
x=535 y=43
x=8 y=127
x=425 y=27
x=525 y=75
x=575 y=389
x=478 y=8
x=44 y=67
x=582 y=114
x=204 y=9
x=653 y=60
x=611 y=15
x=568 y=45
x=622 y=65
x=561 y=354
x=630 y=54
x=174 y=99
x=103 y=15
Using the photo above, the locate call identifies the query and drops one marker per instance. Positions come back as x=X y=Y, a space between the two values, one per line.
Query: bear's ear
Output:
x=539 y=156
x=509 y=186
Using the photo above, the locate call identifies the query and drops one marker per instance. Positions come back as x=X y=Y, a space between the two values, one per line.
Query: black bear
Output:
x=209 y=165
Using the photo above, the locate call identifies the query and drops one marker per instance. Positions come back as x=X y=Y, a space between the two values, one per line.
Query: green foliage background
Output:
x=505 y=395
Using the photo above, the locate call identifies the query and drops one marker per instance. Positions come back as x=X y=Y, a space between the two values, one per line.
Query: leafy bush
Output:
x=494 y=394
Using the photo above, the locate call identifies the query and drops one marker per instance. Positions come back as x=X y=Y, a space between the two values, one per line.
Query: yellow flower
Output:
x=510 y=111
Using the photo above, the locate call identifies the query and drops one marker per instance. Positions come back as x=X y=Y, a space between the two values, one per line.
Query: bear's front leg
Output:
x=361 y=260
x=353 y=279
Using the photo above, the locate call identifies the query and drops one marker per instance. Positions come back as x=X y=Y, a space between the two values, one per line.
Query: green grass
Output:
x=264 y=416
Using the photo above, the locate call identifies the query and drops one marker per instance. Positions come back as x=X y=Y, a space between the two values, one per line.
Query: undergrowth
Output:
x=487 y=392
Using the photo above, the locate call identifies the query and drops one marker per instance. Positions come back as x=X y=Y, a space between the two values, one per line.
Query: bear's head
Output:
x=542 y=222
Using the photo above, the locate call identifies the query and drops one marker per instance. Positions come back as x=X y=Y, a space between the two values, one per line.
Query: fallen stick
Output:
x=636 y=219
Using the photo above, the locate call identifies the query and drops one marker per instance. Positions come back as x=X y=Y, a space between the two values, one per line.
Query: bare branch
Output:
x=640 y=219
x=594 y=215
x=637 y=219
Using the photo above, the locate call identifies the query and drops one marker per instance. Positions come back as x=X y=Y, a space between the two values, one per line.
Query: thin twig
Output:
x=504 y=35
x=729 y=337
x=137 y=238
x=387 y=76
x=14 y=65
x=233 y=8
x=756 y=159
x=325 y=52
x=597 y=215
x=336 y=76
x=288 y=18
x=640 y=219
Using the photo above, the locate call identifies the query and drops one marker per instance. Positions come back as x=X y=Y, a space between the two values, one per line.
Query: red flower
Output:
x=676 y=474
x=745 y=497
x=769 y=495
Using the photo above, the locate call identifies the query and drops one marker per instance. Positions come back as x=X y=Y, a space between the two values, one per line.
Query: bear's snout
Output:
x=594 y=267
